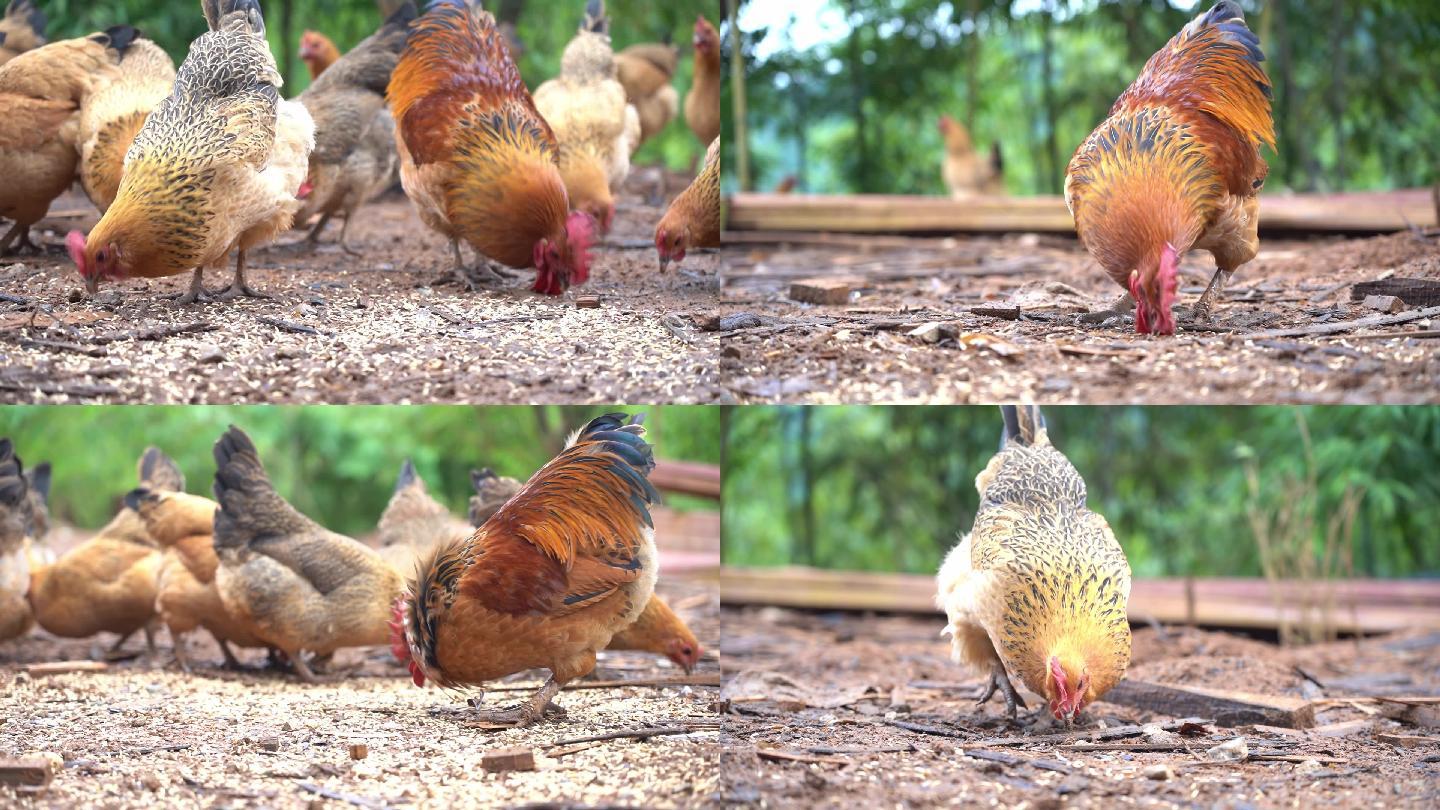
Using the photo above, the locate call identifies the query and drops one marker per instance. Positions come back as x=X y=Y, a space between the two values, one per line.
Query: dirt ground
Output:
x=812 y=698
x=143 y=734
x=388 y=326
x=777 y=350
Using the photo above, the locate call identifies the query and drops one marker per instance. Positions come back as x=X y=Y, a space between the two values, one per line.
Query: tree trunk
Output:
x=857 y=91
x=288 y=42
x=740 y=129
x=972 y=78
x=1280 y=79
x=807 y=473
x=1047 y=90
x=1337 y=88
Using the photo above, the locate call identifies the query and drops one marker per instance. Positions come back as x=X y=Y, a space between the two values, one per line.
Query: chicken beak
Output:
x=664 y=263
x=92 y=284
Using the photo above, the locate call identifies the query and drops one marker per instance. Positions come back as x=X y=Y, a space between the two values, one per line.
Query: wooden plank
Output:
x=1380 y=605
x=1356 y=212
x=65 y=667
x=508 y=759
x=26 y=775
x=1417 y=292
x=1228 y=709
x=687 y=477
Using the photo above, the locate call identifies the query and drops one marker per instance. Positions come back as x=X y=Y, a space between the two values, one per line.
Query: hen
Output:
x=21 y=29
x=413 y=523
x=476 y=157
x=317 y=52
x=41 y=93
x=284 y=578
x=702 y=103
x=108 y=583
x=491 y=493
x=1176 y=167
x=693 y=219
x=964 y=171
x=594 y=125
x=647 y=71
x=17 y=531
x=187 y=597
x=660 y=631
x=113 y=115
x=215 y=168
x=1039 y=587
x=354 y=157
x=547 y=580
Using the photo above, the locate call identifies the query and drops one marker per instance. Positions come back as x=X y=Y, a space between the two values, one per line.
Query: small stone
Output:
x=151 y=782
x=1229 y=751
x=1160 y=773
x=75 y=296
x=1308 y=766
x=929 y=332
x=1384 y=303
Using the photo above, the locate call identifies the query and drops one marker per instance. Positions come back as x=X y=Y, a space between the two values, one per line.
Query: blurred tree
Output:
x=1354 y=83
x=890 y=489
x=336 y=464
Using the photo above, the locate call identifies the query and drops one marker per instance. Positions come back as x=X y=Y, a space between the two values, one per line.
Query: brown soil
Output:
x=784 y=351
x=387 y=326
x=142 y=734
x=824 y=688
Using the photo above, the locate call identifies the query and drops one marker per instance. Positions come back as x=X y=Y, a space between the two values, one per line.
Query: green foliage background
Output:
x=543 y=26
x=336 y=464
x=1355 y=84
x=890 y=489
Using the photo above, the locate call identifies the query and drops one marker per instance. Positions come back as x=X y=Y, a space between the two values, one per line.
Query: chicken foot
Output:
x=314 y=238
x=22 y=231
x=231 y=662
x=1001 y=681
x=475 y=278
x=1218 y=282
x=197 y=292
x=1123 y=306
x=530 y=712
x=238 y=287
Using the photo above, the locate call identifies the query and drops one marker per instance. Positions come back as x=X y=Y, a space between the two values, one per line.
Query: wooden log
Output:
x=1407 y=740
x=26 y=775
x=1416 y=292
x=1355 y=212
x=823 y=291
x=687 y=477
x=508 y=759
x=1227 y=708
x=64 y=667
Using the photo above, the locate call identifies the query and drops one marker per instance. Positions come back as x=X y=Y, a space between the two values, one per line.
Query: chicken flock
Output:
x=544 y=574
x=190 y=166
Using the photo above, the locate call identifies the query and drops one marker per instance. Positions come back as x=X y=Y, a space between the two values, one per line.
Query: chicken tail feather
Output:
x=1024 y=424
x=250 y=508
x=217 y=11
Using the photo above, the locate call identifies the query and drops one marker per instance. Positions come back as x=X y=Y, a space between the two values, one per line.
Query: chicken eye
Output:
x=100 y=256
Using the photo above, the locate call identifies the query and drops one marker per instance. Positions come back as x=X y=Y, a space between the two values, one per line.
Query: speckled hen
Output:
x=1039 y=587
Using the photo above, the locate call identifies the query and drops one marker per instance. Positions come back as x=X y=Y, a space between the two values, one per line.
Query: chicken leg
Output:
x=197 y=291
x=314 y=238
x=530 y=712
x=238 y=287
x=1202 y=308
x=1001 y=681
x=22 y=231
x=231 y=662
x=1123 y=305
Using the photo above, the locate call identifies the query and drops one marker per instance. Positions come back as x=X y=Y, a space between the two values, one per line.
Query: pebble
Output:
x=1230 y=751
x=1160 y=773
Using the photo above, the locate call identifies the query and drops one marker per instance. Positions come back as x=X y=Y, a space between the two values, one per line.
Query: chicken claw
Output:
x=238 y=287
x=1123 y=305
x=1203 y=307
x=1001 y=681
x=528 y=713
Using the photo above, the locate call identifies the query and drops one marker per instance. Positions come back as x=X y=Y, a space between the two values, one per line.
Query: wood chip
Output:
x=587 y=302
x=359 y=750
x=65 y=667
x=1407 y=740
x=508 y=759
x=1005 y=312
x=788 y=755
x=1383 y=303
x=825 y=291
x=26 y=775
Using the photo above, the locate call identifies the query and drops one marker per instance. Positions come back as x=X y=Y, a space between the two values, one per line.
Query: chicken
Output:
x=41 y=93
x=187 y=599
x=215 y=168
x=476 y=157
x=693 y=219
x=112 y=116
x=786 y=185
x=491 y=493
x=1177 y=167
x=286 y=579
x=702 y=103
x=317 y=52
x=354 y=157
x=547 y=580
x=17 y=527
x=647 y=71
x=413 y=523
x=660 y=631
x=1039 y=587
x=21 y=29
x=596 y=127
x=108 y=583
x=965 y=172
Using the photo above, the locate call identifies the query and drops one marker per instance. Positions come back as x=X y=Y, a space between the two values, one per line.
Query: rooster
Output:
x=354 y=157
x=596 y=127
x=476 y=157
x=1039 y=586
x=702 y=103
x=547 y=580
x=113 y=115
x=1177 y=166
x=16 y=532
x=215 y=168
x=21 y=29
x=41 y=94
x=693 y=219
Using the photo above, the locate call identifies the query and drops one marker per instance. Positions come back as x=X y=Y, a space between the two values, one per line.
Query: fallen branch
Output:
x=65 y=667
x=1421 y=333
x=678 y=680
x=1084 y=734
x=15 y=299
x=153 y=333
x=921 y=728
x=1344 y=326
x=63 y=346
x=632 y=734
x=79 y=391
x=786 y=755
x=1010 y=759
x=358 y=801
x=289 y=326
